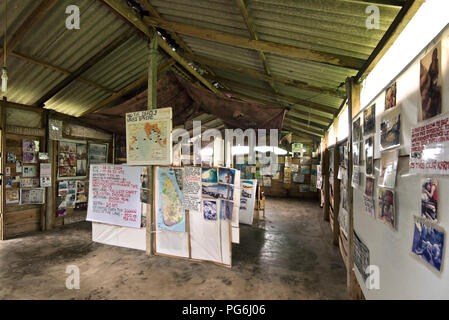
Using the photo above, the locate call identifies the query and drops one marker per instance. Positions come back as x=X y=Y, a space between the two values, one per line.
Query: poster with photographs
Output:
x=29 y=171
x=361 y=256
x=428 y=242
x=386 y=206
x=368 y=203
x=369 y=156
x=430 y=83
x=98 y=153
x=356 y=153
x=226 y=210
x=29 y=182
x=390 y=97
x=297 y=149
x=210 y=209
x=145 y=191
x=388 y=168
x=32 y=196
x=19 y=166
x=429 y=198
x=45 y=174
x=11 y=157
x=30 y=149
x=357 y=130
x=369 y=187
x=369 y=120
x=12 y=196
x=72 y=159
x=81 y=196
x=390 y=129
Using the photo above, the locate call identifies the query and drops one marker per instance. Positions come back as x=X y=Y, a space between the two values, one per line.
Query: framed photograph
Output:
x=209 y=175
x=430 y=84
x=428 y=242
x=369 y=187
x=12 y=196
x=30 y=145
x=29 y=171
x=72 y=159
x=369 y=120
x=369 y=156
x=356 y=153
x=356 y=130
x=390 y=129
x=30 y=157
x=210 y=209
x=429 y=198
x=11 y=157
x=226 y=175
x=32 y=196
x=388 y=168
x=98 y=153
x=390 y=97
x=386 y=207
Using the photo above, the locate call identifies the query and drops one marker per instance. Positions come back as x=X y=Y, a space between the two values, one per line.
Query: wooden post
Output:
x=48 y=200
x=152 y=104
x=325 y=184
x=336 y=225
x=353 y=94
x=3 y=165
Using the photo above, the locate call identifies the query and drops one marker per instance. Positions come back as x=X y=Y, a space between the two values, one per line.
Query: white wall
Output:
x=402 y=274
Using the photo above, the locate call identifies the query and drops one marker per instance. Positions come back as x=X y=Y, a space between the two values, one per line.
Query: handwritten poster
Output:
x=429 y=151
x=148 y=137
x=114 y=195
x=192 y=188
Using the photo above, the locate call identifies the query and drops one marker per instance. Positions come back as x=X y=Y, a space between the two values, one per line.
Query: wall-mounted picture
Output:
x=226 y=209
x=388 y=168
x=30 y=145
x=29 y=182
x=98 y=153
x=386 y=210
x=369 y=187
x=369 y=156
x=209 y=175
x=7 y=171
x=356 y=130
x=428 y=242
x=29 y=171
x=356 y=177
x=210 y=209
x=18 y=166
x=30 y=157
x=429 y=198
x=32 y=196
x=12 y=196
x=72 y=159
x=361 y=256
x=390 y=129
x=226 y=175
x=390 y=97
x=430 y=83
x=43 y=156
x=369 y=120
x=11 y=157
x=356 y=153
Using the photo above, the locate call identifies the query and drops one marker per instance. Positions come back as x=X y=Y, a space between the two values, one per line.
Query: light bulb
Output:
x=4 y=80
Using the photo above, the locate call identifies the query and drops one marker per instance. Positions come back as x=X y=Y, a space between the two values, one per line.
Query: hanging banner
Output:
x=429 y=151
x=148 y=137
x=114 y=195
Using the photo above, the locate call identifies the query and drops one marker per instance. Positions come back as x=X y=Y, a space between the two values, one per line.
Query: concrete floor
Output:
x=289 y=256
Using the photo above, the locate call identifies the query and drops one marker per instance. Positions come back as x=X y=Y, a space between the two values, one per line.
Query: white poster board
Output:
x=247 y=200
x=114 y=195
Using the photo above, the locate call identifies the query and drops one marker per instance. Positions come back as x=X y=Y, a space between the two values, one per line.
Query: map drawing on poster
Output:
x=114 y=195
x=170 y=211
x=148 y=137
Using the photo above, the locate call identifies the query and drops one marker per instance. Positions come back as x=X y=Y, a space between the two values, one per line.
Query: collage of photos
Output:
x=72 y=159
x=217 y=191
x=30 y=151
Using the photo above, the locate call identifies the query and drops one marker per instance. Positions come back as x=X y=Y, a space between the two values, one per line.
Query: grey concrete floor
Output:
x=289 y=256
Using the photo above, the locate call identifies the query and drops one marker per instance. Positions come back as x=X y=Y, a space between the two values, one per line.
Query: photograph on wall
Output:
x=298 y=178
x=170 y=213
x=7 y=171
x=98 y=153
x=72 y=159
x=369 y=156
x=209 y=175
x=428 y=242
x=356 y=177
x=30 y=146
x=30 y=157
x=388 y=168
x=386 y=206
x=226 y=209
x=18 y=166
x=148 y=137
x=81 y=196
x=11 y=157
x=430 y=83
x=12 y=196
x=361 y=256
x=356 y=130
x=390 y=129
x=429 y=150
x=29 y=171
x=43 y=156
x=297 y=149
x=145 y=192
x=429 y=198
x=29 y=182
x=369 y=187
x=210 y=209
x=356 y=153
x=369 y=120
x=45 y=174
x=390 y=97
x=368 y=203
x=32 y=196
x=226 y=175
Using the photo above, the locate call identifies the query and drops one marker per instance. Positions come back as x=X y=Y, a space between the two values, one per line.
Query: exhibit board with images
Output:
x=397 y=211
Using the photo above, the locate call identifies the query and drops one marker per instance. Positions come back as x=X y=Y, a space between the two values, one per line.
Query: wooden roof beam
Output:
x=28 y=24
x=293 y=128
x=258 y=45
x=296 y=124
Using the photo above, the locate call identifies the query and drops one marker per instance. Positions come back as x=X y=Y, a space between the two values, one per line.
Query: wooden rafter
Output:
x=258 y=45
x=128 y=89
x=294 y=128
x=82 y=69
x=28 y=24
x=255 y=74
x=303 y=126
x=126 y=13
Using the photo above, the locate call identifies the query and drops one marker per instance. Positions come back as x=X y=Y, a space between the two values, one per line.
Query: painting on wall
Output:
x=428 y=242
x=386 y=207
x=430 y=84
x=390 y=97
x=429 y=198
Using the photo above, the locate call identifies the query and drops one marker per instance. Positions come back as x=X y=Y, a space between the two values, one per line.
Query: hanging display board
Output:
x=114 y=195
x=148 y=137
x=247 y=201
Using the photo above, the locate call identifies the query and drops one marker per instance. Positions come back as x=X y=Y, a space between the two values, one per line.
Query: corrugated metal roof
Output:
x=329 y=26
